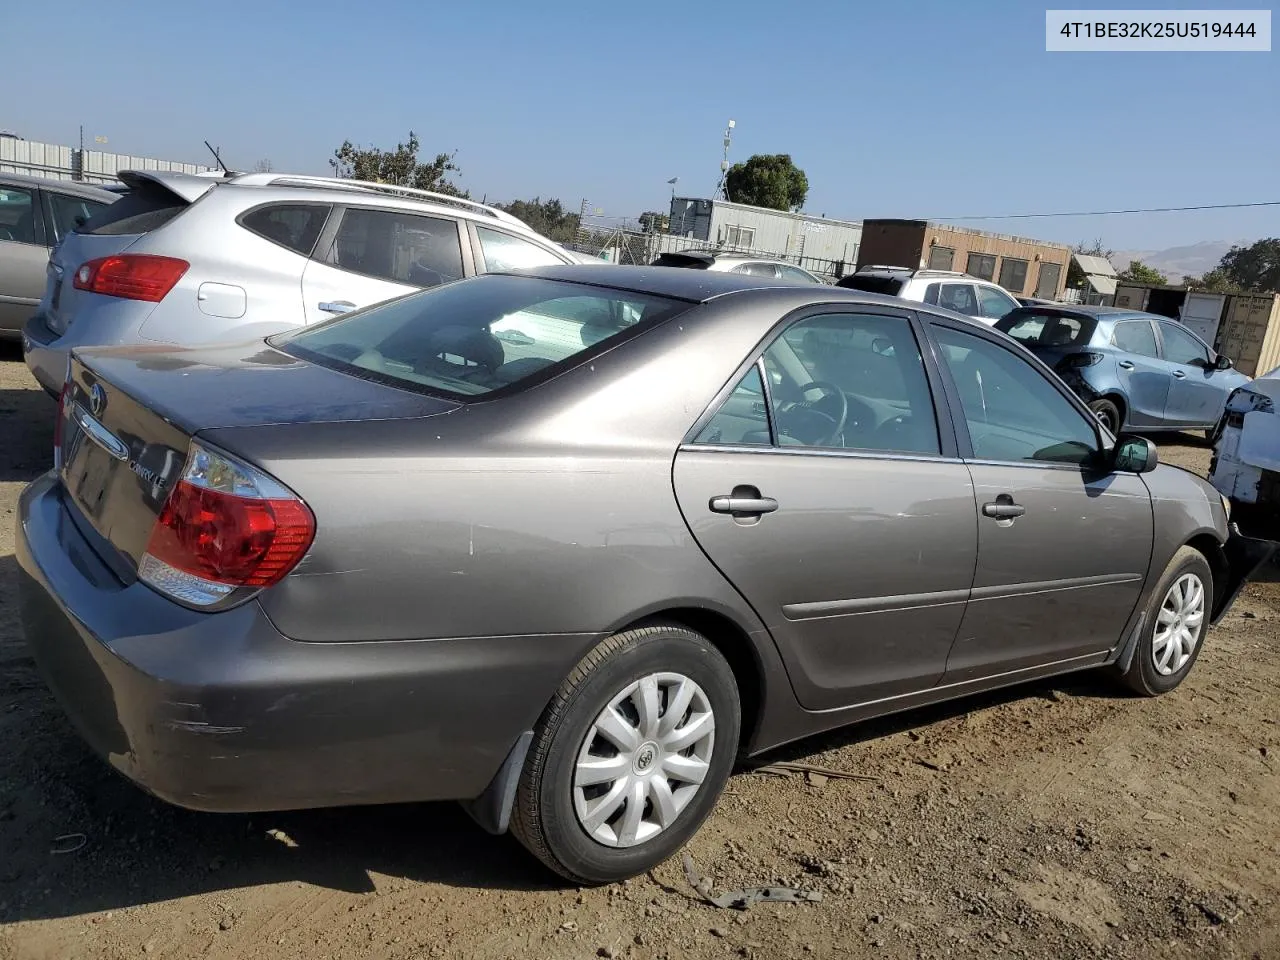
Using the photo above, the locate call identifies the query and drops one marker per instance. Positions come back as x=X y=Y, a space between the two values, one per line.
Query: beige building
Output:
x=1023 y=267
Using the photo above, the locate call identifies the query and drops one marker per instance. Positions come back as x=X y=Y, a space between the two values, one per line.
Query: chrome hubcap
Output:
x=1178 y=625
x=643 y=760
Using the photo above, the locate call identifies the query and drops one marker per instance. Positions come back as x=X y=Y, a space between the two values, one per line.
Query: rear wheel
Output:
x=1108 y=414
x=1176 y=622
x=630 y=756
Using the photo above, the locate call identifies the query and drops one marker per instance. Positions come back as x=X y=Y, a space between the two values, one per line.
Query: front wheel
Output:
x=630 y=756
x=1177 y=620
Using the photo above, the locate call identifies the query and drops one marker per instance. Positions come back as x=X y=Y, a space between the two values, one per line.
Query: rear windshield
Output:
x=478 y=336
x=681 y=260
x=1047 y=329
x=141 y=210
x=871 y=284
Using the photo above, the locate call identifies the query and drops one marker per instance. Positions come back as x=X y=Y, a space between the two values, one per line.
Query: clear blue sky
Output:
x=925 y=108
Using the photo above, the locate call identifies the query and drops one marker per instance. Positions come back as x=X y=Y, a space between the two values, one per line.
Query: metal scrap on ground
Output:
x=785 y=768
x=742 y=899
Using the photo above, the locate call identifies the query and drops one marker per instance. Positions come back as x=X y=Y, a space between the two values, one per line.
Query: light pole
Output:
x=722 y=188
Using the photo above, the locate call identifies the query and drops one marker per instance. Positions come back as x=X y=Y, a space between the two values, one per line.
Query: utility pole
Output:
x=722 y=188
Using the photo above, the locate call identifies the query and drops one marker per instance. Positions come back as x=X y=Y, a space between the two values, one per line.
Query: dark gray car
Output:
x=567 y=544
x=35 y=214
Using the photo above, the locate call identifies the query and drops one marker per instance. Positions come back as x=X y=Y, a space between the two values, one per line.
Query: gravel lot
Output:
x=1058 y=820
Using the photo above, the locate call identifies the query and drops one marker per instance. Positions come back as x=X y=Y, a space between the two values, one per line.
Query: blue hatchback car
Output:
x=1135 y=370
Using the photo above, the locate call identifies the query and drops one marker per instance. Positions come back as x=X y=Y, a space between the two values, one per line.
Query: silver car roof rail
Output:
x=391 y=189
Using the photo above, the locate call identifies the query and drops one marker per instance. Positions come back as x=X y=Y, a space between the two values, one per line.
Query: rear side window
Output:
x=1037 y=329
x=473 y=338
x=70 y=212
x=502 y=251
x=143 y=209
x=1136 y=336
x=293 y=225
x=400 y=247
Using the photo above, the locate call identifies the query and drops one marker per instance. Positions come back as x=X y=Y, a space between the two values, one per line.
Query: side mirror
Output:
x=1223 y=362
x=1134 y=455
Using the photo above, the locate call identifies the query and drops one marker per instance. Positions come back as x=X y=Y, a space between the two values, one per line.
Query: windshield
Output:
x=1041 y=329
x=477 y=336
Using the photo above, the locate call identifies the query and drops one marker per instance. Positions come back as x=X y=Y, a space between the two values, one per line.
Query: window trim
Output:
x=963 y=440
x=323 y=251
x=324 y=227
x=948 y=445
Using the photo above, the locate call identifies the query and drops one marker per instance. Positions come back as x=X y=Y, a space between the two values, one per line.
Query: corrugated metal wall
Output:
x=788 y=234
x=57 y=162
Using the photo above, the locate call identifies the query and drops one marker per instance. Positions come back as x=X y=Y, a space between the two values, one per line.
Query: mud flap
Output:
x=492 y=809
x=1248 y=559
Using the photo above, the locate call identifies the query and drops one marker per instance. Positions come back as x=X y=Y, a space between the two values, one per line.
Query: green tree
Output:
x=653 y=222
x=767 y=180
x=399 y=167
x=1139 y=272
x=1215 y=281
x=547 y=217
x=1255 y=267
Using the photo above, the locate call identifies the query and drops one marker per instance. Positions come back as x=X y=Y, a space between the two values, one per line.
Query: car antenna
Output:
x=217 y=157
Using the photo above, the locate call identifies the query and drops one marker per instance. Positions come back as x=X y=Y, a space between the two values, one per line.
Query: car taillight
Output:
x=225 y=526
x=133 y=276
x=1074 y=361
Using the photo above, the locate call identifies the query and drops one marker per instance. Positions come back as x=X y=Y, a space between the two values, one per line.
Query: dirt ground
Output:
x=1057 y=820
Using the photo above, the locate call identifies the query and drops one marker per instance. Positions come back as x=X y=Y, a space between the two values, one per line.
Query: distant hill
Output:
x=1179 y=262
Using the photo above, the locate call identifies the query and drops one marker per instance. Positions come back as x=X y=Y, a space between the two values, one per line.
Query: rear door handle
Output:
x=1003 y=508
x=336 y=306
x=1126 y=365
x=1179 y=375
x=750 y=506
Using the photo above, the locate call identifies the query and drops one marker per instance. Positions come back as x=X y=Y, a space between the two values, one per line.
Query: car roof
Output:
x=703 y=286
x=74 y=187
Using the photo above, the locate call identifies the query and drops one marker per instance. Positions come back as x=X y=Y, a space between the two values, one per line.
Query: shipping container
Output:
x=1250 y=332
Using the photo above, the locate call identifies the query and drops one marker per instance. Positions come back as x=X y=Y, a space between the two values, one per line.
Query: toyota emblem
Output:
x=97 y=399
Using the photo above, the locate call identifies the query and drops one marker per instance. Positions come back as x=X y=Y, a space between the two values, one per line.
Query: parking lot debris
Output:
x=784 y=768
x=744 y=898
x=68 y=843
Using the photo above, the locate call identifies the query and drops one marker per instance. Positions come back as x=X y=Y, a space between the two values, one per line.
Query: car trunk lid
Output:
x=128 y=416
x=153 y=200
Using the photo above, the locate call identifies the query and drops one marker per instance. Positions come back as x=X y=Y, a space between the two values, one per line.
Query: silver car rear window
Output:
x=480 y=336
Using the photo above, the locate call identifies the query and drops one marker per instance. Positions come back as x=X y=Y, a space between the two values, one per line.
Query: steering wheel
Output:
x=810 y=409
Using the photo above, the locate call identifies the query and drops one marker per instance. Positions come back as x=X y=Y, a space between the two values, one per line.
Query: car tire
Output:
x=1108 y=413
x=1162 y=660
x=555 y=815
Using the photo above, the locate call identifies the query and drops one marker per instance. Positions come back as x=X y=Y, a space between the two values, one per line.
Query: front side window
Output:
x=841 y=381
x=981 y=265
x=1182 y=347
x=470 y=339
x=1012 y=412
x=17 y=215
x=295 y=226
x=994 y=304
x=400 y=247
x=71 y=212
x=959 y=297
x=502 y=251
x=1135 y=336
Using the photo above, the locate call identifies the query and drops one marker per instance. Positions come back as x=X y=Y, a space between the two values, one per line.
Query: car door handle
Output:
x=1179 y=375
x=744 y=505
x=1126 y=364
x=336 y=306
x=1003 y=508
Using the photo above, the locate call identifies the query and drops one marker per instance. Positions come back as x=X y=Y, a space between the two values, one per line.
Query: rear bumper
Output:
x=47 y=363
x=221 y=712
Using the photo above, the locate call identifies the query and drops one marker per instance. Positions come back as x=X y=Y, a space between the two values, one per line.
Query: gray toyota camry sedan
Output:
x=567 y=544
